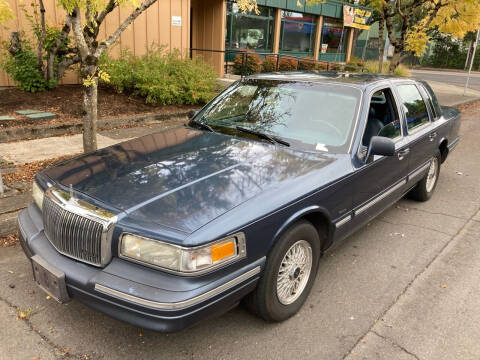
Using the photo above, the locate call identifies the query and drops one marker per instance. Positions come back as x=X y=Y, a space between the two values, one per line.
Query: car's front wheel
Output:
x=425 y=187
x=289 y=274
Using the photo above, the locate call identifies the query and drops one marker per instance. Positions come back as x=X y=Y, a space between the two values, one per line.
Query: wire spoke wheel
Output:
x=432 y=175
x=294 y=272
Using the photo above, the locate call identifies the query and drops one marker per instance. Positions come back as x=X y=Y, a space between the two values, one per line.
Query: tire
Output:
x=424 y=189
x=265 y=300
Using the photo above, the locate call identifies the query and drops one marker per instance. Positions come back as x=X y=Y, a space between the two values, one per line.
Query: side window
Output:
x=415 y=108
x=383 y=119
x=437 y=109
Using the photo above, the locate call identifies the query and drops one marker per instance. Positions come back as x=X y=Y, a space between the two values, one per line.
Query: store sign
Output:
x=356 y=17
x=176 y=21
x=324 y=48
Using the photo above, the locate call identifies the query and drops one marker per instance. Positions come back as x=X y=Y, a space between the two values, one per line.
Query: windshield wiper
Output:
x=272 y=139
x=203 y=126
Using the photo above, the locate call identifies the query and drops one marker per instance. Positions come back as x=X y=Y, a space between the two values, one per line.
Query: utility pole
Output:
x=471 y=62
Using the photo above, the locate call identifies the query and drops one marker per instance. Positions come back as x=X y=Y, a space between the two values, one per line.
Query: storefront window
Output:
x=297 y=33
x=333 y=36
x=250 y=30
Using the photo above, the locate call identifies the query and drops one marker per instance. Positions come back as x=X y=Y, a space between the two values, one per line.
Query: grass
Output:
x=372 y=67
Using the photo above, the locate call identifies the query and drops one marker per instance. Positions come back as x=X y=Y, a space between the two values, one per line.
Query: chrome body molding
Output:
x=419 y=171
x=380 y=197
x=74 y=227
x=180 y=304
x=453 y=144
x=343 y=221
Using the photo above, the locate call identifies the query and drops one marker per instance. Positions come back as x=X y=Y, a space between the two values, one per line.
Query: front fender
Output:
x=303 y=213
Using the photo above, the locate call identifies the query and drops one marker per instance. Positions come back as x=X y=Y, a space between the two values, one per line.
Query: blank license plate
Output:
x=50 y=279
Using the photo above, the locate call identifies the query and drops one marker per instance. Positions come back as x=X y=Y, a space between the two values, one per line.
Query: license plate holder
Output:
x=50 y=279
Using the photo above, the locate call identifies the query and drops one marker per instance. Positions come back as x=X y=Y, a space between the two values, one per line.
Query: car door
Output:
x=382 y=179
x=420 y=134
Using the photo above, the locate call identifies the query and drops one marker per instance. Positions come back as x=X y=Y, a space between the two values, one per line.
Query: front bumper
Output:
x=144 y=297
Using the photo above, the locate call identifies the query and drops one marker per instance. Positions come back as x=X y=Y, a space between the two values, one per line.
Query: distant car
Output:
x=167 y=229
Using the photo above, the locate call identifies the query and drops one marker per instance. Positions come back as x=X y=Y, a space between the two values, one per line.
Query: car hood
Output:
x=183 y=178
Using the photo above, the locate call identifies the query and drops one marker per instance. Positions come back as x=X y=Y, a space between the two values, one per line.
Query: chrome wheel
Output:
x=294 y=272
x=432 y=175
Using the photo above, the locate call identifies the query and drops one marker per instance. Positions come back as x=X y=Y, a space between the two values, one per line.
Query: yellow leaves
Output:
x=417 y=38
x=23 y=314
x=92 y=81
x=458 y=17
x=104 y=76
x=89 y=81
x=246 y=6
x=6 y=12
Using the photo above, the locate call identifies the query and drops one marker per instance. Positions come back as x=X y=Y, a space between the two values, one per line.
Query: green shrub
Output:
x=269 y=64
x=287 y=64
x=402 y=70
x=23 y=68
x=306 y=63
x=246 y=64
x=321 y=66
x=161 y=78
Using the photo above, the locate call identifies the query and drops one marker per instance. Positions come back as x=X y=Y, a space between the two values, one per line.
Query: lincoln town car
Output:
x=240 y=203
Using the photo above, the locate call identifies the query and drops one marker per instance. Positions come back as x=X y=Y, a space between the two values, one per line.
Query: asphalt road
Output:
x=457 y=78
x=404 y=287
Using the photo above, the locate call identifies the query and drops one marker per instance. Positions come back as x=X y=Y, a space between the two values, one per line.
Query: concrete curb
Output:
x=48 y=130
x=465 y=102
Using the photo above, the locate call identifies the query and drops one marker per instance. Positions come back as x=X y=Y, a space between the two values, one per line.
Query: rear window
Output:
x=436 y=108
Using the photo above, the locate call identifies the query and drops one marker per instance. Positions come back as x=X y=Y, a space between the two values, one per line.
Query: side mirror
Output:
x=380 y=145
x=192 y=113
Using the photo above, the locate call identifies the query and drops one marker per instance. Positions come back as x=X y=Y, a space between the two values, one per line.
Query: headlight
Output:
x=37 y=194
x=182 y=259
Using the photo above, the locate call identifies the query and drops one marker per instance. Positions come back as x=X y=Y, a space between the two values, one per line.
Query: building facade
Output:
x=217 y=28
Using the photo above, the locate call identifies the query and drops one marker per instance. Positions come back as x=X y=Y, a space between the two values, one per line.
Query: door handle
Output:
x=432 y=136
x=402 y=153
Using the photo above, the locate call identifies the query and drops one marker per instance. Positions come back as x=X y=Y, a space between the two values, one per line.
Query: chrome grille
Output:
x=76 y=235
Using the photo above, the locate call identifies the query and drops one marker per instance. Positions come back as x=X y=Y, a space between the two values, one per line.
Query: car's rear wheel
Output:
x=289 y=274
x=425 y=187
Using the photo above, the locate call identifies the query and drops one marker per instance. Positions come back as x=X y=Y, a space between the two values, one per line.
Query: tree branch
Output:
x=52 y=52
x=114 y=37
x=42 y=35
x=65 y=64
x=78 y=33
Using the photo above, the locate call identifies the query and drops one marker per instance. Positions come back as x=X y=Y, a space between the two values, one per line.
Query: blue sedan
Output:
x=240 y=203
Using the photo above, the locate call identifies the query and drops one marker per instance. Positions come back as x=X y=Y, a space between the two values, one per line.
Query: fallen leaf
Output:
x=48 y=297
x=443 y=286
x=459 y=173
x=10 y=271
x=364 y=341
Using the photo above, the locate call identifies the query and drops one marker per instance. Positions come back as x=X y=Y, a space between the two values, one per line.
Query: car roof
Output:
x=361 y=80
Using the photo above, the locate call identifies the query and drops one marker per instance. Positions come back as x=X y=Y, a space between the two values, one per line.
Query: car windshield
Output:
x=306 y=115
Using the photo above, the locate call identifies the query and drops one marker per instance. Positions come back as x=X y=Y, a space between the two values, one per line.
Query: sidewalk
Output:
x=438 y=310
x=452 y=95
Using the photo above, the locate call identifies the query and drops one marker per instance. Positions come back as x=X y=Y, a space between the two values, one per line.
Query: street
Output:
x=452 y=77
x=404 y=287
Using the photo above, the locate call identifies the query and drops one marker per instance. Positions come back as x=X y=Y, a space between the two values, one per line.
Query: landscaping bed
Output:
x=66 y=101
x=114 y=111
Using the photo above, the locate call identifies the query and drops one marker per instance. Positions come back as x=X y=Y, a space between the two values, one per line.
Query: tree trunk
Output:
x=90 y=95
x=397 y=59
x=380 y=44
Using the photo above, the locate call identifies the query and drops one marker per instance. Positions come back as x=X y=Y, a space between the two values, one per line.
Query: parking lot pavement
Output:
x=403 y=287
